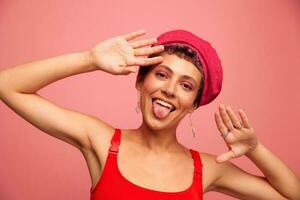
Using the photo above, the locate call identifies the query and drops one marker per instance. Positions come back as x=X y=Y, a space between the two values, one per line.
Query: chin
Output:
x=157 y=124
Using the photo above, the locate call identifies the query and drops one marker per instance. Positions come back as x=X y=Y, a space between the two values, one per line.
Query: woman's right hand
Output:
x=120 y=57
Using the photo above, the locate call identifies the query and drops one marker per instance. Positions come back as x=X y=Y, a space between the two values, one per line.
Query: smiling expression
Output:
x=174 y=80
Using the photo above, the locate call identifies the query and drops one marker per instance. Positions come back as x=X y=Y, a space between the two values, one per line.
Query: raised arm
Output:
x=279 y=181
x=18 y=87
x=19 y=84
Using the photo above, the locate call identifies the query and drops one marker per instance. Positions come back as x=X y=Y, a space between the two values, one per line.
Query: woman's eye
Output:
x=160 y=74
x=187 y=86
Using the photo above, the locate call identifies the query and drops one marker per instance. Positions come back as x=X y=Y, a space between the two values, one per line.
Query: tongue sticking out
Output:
x=160 y=111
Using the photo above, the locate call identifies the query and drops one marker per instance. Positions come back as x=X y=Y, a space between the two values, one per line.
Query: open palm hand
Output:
x=239 y=136
x=118 y=56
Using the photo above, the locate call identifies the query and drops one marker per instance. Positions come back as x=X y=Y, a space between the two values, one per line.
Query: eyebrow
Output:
x=184 y=76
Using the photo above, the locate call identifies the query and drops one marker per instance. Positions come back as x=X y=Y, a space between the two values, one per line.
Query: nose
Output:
x=169 y=89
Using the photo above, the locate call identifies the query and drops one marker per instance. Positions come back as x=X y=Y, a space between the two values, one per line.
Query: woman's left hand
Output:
x=239 y=136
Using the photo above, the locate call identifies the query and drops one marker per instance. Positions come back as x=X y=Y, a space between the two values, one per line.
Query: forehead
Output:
x=179 y=66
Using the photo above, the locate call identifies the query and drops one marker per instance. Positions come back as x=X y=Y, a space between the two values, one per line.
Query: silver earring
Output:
x=137 y=108
x=192 y=128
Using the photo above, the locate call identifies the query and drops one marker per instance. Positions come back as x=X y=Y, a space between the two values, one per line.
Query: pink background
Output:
x=258 y=43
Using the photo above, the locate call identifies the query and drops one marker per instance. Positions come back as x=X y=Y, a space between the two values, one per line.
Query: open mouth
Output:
x=164 y=103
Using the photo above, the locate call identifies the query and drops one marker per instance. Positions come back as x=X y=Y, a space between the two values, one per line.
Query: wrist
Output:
x=254 y=150
x=86 y=55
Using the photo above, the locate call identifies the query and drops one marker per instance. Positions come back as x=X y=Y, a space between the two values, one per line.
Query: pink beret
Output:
x=212 y=68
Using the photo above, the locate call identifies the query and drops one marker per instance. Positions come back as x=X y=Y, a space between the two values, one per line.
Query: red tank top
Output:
x=112 y=185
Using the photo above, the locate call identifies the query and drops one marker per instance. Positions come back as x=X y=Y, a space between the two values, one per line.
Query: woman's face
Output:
x=176 y=81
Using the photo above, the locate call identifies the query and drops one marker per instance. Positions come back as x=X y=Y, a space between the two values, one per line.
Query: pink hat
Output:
x=212 y=68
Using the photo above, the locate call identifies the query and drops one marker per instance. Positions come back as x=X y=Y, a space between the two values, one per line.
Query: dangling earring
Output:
x=137 y=108
x=193 y=129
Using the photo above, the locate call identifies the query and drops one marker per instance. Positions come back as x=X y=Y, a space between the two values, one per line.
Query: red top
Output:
x=113 y=185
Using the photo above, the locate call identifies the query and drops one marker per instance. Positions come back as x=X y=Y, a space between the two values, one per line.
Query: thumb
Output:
x=225 y=156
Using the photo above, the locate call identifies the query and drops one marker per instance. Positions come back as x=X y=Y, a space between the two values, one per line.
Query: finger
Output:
x=142 y=43
x=225 y=157
x=148 y=51
x=245 y=119
x=235 y=120
x=132 y=35
x=225 y=118
x=230 y=138
x=221 y=126
x=126 y=70
x=146 y=61
x=131 y=69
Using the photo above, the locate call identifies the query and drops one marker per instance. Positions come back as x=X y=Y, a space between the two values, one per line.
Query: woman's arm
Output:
x=279 y=175
x=19 y=84
x=18 y=87
x=279 y=180
x=236 y=182
x=30 y=77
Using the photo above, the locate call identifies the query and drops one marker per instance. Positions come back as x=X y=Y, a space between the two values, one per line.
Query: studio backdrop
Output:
x=258 y=43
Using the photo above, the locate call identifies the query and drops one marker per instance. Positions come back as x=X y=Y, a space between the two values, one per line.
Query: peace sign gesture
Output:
x=119 y=57
x=239 y=136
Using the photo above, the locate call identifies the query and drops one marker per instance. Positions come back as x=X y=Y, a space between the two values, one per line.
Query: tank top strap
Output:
x=197 y=162
x=115 y=142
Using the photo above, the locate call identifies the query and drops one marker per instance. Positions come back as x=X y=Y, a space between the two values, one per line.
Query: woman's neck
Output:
x=158 y=141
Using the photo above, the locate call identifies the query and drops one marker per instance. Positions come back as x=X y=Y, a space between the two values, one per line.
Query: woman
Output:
x=174 y=79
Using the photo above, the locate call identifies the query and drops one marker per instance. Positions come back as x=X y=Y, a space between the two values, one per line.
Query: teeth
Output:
x=164 y=103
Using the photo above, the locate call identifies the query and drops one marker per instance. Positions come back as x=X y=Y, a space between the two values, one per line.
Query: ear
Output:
x=138 y=84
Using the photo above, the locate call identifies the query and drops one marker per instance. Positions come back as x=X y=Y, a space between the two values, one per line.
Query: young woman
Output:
x=178 y=73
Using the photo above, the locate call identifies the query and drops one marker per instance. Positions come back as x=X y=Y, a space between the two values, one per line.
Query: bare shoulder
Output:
x=211 y=170
x=99 y=133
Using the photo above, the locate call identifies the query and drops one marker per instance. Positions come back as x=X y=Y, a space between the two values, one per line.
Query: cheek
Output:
x=151 y=84
x=186 y=99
